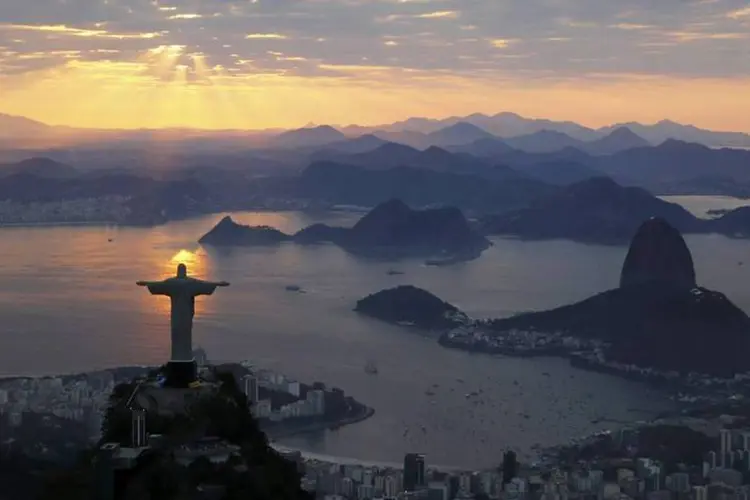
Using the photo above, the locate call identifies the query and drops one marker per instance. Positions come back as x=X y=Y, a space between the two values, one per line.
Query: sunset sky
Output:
x=285 y=63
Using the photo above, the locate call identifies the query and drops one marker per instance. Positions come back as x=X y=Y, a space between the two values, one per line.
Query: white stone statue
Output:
x=182 y=291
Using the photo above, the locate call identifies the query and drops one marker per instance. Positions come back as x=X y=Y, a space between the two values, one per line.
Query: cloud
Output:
x=739 y=13
x=504 y=40
x=61 y=29
x=440 y=14
x=268 y=36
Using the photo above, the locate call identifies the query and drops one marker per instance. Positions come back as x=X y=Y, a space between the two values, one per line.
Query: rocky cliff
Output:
x=658 y=255
x=658 y=317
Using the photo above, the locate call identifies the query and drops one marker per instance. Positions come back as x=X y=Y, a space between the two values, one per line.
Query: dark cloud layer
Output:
x=484 y=38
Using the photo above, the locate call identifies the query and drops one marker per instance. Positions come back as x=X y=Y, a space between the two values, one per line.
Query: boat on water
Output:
x=371 y=368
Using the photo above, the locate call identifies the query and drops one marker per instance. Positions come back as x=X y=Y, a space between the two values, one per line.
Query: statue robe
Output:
x=182 y=293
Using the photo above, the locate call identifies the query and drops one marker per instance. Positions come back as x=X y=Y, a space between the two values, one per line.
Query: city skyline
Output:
x=261 y=64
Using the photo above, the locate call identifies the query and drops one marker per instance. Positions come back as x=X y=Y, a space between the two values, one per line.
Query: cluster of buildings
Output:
x=309 y=404
x=82 y=399
x=104 y=209
x=724 y=475
x=412 y=481
x=590 y=354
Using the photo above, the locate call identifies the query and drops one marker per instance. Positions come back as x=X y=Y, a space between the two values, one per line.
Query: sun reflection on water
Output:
x=197 y=267
x=194 y=261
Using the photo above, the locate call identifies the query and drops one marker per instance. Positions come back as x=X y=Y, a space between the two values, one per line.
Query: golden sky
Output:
x=285 y=63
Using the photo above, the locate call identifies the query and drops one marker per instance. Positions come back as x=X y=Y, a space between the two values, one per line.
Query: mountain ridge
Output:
x=391 y=229
x=503 y=124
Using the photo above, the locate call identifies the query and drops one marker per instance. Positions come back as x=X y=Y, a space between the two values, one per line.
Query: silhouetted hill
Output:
x=456 y=134
x=411 y=306
x=659 y=256
x=673 y=167
x=595 y=210
x=620 y=139
x=255 y=470
x=350 y=185
x=409 y=137
x=488 y=147
x=22 y=127
x=306 y=137
x=518 y=159
x=506 y=124
x=560 y=173
x=392 y=155
x=361 y=144
x=735 y=223
x=544 y=141
x=394 y=224
x=667 y=129
x=391 y=229
x=39 y=167
x=229 y=233
x=673 y=162
x=388 y=155
x=650 y=323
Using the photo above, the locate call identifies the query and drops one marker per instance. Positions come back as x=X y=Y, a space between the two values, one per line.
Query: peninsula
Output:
x=596 y=210
x=658 y=318
x=599 y=210
x=390 y=230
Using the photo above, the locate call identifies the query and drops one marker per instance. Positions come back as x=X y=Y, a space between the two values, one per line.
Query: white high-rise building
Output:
x=251 y=388
x=726 y=441
x=318 y=401
x=746 y=441
x=139 y=428
x=725 y=437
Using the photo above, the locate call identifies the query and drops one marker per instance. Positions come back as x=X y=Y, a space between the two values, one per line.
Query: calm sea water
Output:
x=700 y=205
x=68 y=302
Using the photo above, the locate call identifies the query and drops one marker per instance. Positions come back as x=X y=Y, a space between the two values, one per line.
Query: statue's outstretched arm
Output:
x=155 y=287
x=208 y=287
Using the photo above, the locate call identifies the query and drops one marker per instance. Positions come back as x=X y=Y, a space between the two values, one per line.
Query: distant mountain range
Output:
x=418 y=132
x=512 y=125
x=672 y=167
x=599 y=210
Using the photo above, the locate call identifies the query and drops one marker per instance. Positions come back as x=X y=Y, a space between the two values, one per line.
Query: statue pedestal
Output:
x=180 y=374
x=172 y=401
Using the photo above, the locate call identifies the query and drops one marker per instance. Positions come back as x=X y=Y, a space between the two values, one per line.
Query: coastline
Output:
x=576 y=360
x=703 y=391
x=363 y=414
x=320 y=457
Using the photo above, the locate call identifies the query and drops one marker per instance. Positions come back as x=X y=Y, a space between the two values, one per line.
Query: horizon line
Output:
x=309 y=125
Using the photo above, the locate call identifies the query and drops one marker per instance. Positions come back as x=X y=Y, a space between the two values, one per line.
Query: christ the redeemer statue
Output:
x=182 y=291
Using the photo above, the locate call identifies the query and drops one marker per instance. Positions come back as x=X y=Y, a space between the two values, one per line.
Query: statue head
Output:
x=182 y=271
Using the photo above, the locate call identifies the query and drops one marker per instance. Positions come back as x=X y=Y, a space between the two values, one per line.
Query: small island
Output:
x=411 y=306
x=390 y=230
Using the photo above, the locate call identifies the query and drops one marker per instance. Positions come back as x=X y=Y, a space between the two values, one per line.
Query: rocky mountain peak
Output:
x=658 y=255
